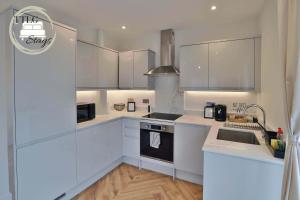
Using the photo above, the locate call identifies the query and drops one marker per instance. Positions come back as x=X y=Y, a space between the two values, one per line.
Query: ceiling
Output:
x=147 y=15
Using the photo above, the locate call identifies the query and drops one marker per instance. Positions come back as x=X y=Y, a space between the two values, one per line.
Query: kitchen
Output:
x=149 y=100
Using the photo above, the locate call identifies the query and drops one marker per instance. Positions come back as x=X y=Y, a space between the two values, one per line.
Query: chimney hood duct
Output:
x=167 y=55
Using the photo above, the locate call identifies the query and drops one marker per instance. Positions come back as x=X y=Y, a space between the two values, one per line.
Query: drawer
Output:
x=132 y=133
x=131 y=147
x=131 y=123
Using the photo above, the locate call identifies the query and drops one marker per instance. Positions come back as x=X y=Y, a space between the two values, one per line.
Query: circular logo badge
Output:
x=31 y=30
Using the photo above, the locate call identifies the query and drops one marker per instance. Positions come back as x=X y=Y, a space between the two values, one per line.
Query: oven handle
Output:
x=157 y=131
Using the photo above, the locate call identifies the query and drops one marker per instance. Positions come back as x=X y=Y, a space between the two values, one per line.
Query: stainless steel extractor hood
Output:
x=167 y=55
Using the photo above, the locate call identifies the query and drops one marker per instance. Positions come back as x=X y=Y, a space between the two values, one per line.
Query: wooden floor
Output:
x=129 y=183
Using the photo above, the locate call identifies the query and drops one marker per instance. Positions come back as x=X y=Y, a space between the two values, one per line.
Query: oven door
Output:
x=161 y=149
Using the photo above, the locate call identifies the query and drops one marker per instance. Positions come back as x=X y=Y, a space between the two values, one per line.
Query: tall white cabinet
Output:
x=132 y=66
x=45 y=119
x=97 y=67
x=221 y=65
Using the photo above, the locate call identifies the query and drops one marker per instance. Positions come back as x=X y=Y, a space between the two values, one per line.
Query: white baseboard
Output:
x=6 y=196
x=190 y=177
x=167 y=170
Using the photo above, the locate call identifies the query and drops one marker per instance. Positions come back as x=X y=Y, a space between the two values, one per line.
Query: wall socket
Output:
x=146 y=101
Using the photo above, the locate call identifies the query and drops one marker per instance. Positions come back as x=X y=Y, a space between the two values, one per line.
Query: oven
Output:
x=157 y=140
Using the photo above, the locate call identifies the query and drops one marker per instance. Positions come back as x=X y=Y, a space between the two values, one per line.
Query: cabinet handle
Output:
x=60 y=196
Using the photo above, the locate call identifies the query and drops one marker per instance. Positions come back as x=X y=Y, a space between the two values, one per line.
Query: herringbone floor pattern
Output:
x=129 y=183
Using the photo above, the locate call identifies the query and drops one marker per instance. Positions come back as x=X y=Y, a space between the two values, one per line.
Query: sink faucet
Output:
x=261 y=108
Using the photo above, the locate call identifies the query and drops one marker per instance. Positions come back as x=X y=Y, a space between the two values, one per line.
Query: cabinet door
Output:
x=194 y=66
x=108 y=69
x=87 y=65
x=92 y=151
x=188 y=143
x=231 y=64
x=47 y=170
x=45 y=90
x=97 y=148
x=114 y=131
x=141 y=66
x=126 y=69
x=131 y=138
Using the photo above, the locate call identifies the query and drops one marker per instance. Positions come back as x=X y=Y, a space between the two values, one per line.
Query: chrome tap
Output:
x=261 y=108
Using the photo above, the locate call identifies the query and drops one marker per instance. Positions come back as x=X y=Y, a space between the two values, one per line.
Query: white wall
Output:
x=271 y=96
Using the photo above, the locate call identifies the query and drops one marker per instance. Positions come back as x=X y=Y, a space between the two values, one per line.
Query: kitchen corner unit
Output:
x=132 y=66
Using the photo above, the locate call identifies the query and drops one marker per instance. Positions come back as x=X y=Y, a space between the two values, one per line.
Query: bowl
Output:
x=119 y=106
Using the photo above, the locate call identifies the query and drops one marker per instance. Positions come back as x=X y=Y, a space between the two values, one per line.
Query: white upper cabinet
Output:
x=194 y=66
x=45 y=103
x=108 y=68
x=223 y=65
x=97 y=67
x=126 y=70
x=142 y=62
x=132 y=66
x=87 y=65
x=231 y=64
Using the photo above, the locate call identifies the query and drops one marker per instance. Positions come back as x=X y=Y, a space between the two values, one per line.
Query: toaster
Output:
x=220 y=112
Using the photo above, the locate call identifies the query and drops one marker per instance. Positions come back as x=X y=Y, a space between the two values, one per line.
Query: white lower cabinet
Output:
x=230 y=177
x=115 y=139
x=188 y=142
x=98 y=147
x=131 y=138
x=46 y=170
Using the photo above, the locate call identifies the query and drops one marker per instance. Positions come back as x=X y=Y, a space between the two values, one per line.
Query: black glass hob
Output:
x=164 y=116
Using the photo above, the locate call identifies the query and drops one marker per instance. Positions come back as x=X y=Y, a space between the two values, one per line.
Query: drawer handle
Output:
x=60 y=196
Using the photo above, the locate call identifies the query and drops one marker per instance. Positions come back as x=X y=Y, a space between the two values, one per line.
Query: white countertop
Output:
x=110 y=117
x=212 y=144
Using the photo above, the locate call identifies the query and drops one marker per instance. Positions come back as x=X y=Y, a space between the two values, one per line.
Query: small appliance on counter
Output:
x=131 y=105
x=220 y=112
x=209 y=110
x=85 y=112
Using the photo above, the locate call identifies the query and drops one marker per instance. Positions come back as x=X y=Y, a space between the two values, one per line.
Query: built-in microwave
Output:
x=85 y=112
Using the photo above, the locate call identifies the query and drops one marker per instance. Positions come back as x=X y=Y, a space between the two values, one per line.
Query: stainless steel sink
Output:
x=237 y=136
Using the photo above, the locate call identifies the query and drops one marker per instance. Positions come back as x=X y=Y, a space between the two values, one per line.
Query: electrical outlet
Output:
x=146 y=101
